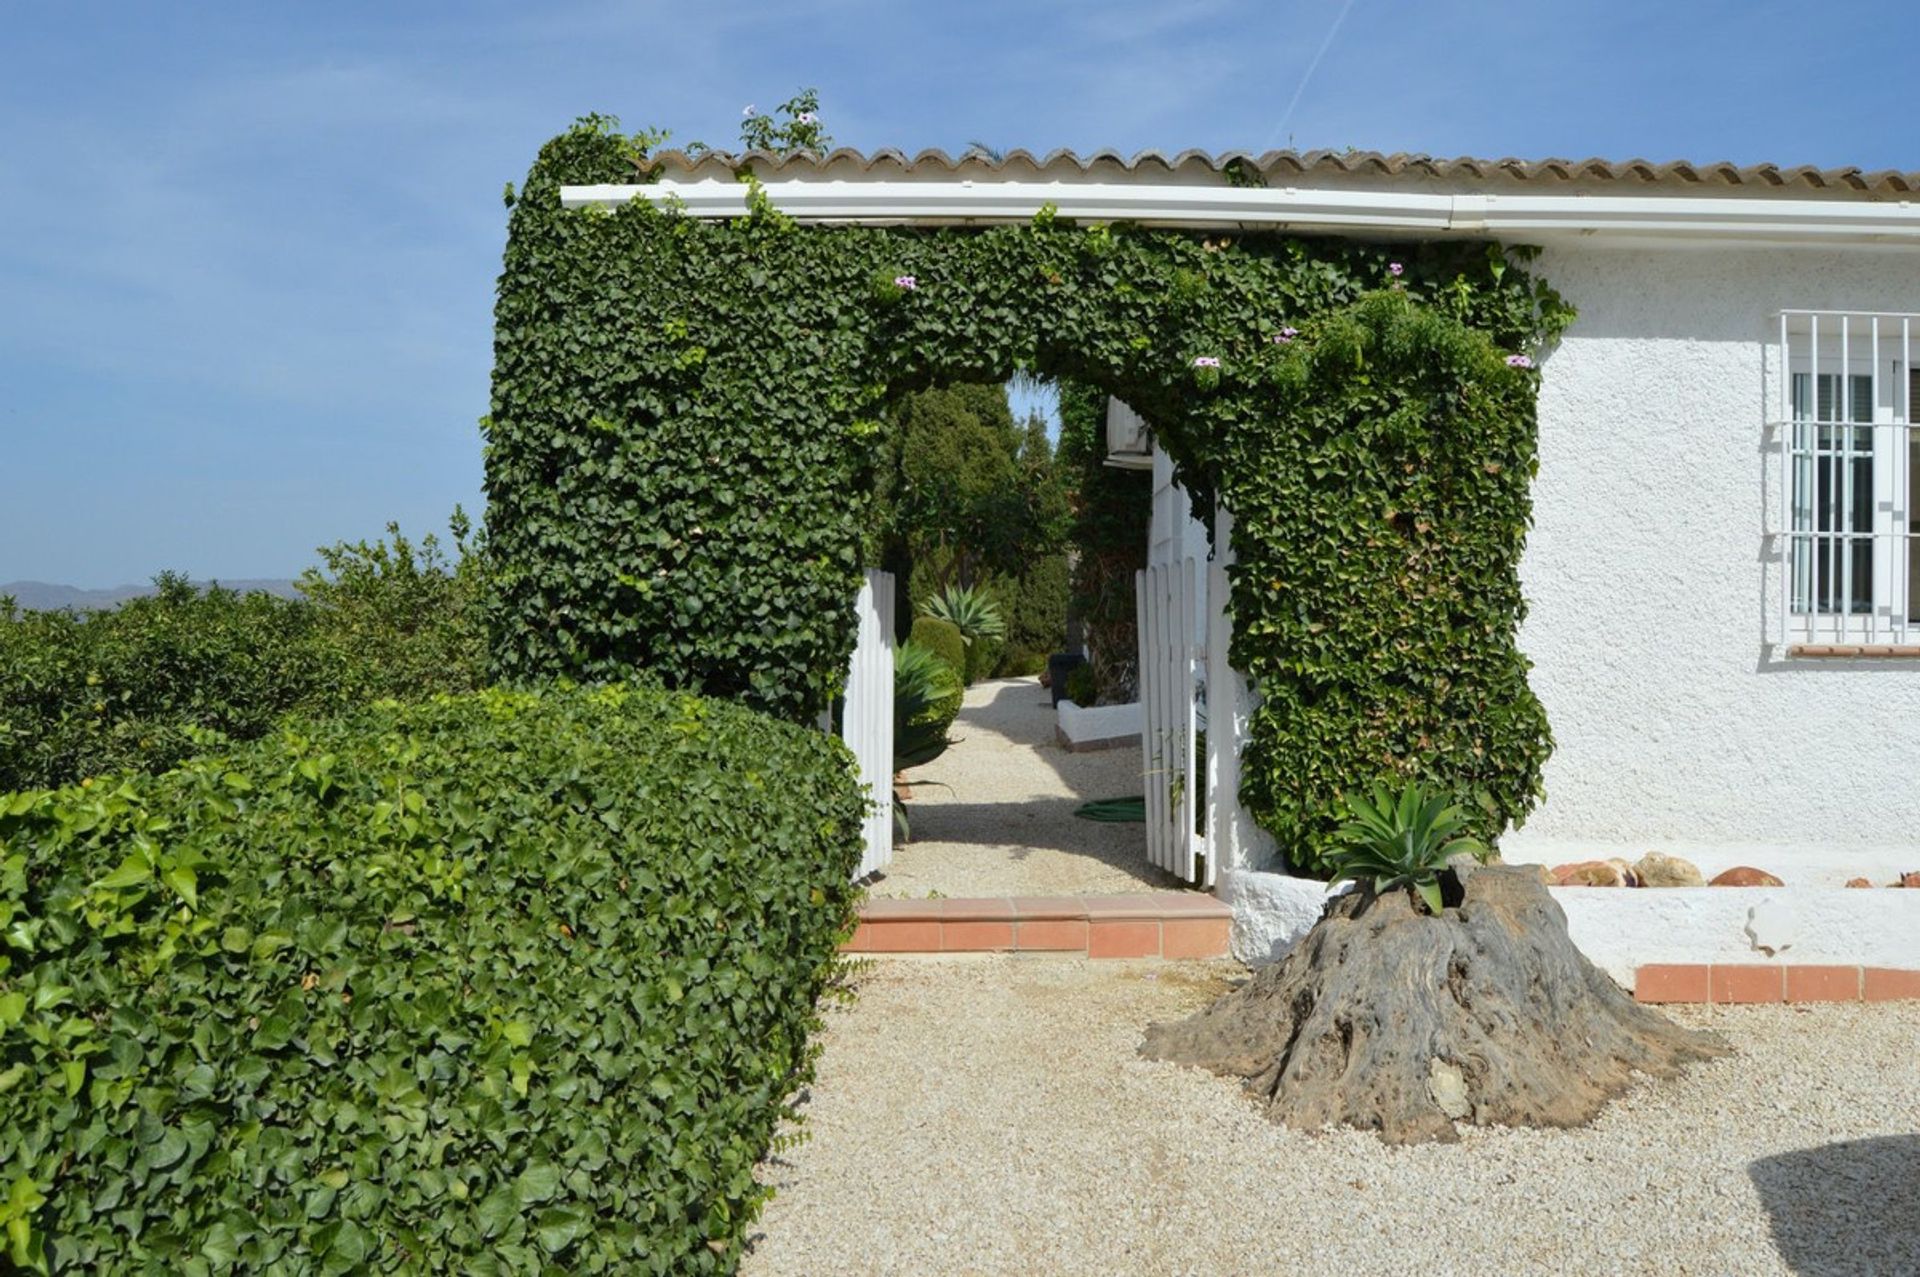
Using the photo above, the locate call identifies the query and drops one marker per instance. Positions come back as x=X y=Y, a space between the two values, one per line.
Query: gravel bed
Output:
x=993 y=816
x=989 y=1115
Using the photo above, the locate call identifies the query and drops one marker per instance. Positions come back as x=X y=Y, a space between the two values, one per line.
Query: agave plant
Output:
x=1404 y=841
x=924 y=686
x=970 y=611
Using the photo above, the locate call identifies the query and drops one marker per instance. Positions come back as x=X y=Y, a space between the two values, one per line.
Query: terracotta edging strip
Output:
x=1180 y=925
x=1749 y=983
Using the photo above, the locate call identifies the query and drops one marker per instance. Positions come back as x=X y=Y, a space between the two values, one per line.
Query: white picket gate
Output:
x=1165 y=596
x=866 y=720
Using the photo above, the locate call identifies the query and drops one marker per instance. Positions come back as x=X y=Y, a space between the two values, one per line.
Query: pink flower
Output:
x=1206 y=361
x=907 y=282
x=1395 y=269
x=746 y=110
x=806 y=117
x=1519 y=361
x=1286 y=335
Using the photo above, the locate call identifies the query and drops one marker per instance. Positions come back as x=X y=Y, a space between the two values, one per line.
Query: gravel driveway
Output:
x=989 y=1115
x=993 y=816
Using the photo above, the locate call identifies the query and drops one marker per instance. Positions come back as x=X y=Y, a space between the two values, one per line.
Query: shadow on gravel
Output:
x=1845 y=1210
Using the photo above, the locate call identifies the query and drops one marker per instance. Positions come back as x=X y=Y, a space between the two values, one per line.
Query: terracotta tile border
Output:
x=1169 y=924
x=1771 y=982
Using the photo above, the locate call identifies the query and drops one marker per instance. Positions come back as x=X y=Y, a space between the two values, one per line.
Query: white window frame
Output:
x=1819 y=536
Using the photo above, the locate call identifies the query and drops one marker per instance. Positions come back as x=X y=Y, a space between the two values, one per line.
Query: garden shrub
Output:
x=1034 y=603
x=686 y=415
x=128 y=688
x=83 y=695
x=926 y=697
x=501 y=982
x=1112 y=510
x=944 y=640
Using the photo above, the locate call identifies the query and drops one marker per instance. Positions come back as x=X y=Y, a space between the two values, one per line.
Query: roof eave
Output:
x=1418 y=214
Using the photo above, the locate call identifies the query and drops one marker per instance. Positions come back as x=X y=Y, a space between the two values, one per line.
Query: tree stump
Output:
x=1390 y=1019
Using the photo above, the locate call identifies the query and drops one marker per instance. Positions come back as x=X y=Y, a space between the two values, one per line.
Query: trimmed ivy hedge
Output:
x=504 y=982
x=686 y=416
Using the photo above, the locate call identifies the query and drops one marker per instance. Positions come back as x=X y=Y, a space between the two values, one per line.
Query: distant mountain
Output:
x=41 y=596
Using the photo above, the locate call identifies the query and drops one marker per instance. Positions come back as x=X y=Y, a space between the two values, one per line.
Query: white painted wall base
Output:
x=1271 y=911
x=1621 y=929
x=1085 y=727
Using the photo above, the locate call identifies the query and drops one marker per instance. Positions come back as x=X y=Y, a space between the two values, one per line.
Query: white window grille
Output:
x=1843 y=421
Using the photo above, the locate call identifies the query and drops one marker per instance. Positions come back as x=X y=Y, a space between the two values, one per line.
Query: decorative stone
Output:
x=1858 y=882
x=1746 y=876
x=1628 y=878
x=1448 y=1087
x=1910 y=879
x=1657 y=869
x=1589 y=873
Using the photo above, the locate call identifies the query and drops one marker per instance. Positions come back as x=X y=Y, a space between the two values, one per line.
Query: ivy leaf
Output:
x=496 y=1210
x=185 y=884
x=133 y=871
x=557 y=1228
x=538 y=1183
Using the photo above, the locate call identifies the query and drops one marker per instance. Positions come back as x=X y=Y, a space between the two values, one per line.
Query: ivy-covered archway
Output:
x=685 y=414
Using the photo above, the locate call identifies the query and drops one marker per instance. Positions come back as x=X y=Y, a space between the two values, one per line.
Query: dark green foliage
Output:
x=81 y=695
x=502 y=982
x=1377 y=590
x=926 y=697
x=956 y=492
x=1033 y=597
x=687 y=414
x=967 y=498
x=126 y=689
x=1083 y=687
x=976 y=614
x=408 y=620
x=1111 y=511
x=944 y=640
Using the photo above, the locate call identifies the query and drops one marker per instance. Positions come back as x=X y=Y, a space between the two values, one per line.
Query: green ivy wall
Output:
x=686 y=415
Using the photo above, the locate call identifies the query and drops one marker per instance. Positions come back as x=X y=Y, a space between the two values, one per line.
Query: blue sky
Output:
x=247 y=251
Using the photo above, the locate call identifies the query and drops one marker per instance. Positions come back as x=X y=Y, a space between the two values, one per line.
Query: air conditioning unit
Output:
x=1129 y=442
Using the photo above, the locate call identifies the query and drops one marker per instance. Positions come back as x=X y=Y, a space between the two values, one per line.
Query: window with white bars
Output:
x=1845 y=396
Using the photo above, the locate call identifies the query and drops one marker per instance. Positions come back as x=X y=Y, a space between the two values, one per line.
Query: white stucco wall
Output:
x=1621 y=930
x=1650 y=582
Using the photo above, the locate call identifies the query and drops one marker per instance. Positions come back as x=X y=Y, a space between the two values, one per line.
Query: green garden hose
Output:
x=1115 y=810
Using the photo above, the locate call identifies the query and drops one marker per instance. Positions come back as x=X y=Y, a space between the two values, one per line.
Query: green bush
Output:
x=127 y=689
x=944 y=640
x=405 y=621
x=83 y=695
x=1083 y=686
x=1112 y=511
x=977 y=616
x=1035 y=606
x=500 y=982
x=926 y=696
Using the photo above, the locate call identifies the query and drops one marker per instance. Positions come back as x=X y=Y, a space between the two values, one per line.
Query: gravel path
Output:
x=993 y=816
x=989 y=1115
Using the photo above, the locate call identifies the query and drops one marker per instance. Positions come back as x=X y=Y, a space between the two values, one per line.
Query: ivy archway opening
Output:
x=685 y=413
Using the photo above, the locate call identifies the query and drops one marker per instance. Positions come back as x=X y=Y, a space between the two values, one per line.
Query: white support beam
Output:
x=1522 y=216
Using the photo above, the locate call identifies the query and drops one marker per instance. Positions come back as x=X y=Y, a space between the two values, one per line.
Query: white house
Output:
x=1724 y=574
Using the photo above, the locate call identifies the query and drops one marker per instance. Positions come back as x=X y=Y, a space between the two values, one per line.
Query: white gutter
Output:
x=1531 y=217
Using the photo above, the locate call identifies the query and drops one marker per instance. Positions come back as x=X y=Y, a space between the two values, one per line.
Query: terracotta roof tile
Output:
x=1276 y=167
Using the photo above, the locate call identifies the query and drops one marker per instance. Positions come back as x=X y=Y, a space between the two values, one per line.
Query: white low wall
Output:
x=1084 y=727
x=1623 y=928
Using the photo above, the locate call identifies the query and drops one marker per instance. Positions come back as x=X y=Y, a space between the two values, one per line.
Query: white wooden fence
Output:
x=1165 y=596
x=866 y=721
